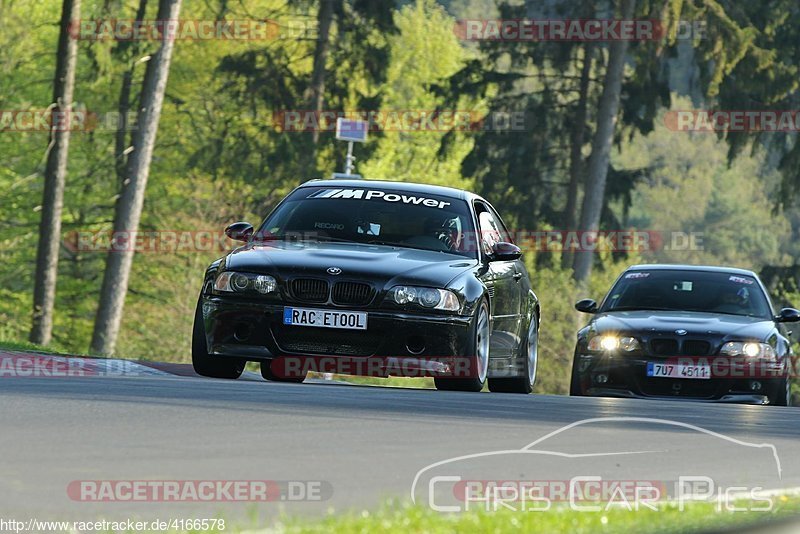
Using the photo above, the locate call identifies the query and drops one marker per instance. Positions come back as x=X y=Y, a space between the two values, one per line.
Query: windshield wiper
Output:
x=387 y=243
x=715 y=312
x=649 y=308
x=306 y=238
x=401 y=245
x=329 y=238
x=642 y=308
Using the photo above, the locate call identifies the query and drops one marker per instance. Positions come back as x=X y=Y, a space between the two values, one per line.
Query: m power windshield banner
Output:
x=378 y=195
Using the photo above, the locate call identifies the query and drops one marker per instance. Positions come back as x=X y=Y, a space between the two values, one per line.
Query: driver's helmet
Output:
x=445 y=229
x=744 y=295
x=740 y=297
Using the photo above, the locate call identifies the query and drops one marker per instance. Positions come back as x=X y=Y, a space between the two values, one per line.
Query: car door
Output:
x=503 y=280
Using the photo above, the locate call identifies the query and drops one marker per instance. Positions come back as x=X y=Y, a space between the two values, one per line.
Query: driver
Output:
x=444 y=230
x=733 y=301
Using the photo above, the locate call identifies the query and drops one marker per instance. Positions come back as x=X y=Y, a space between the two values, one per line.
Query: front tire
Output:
x=206 y=365
x=575 y=389
x=783 y=392
x=479 y=356
x=529 y=355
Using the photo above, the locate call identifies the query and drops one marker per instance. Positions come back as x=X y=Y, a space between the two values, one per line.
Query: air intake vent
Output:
x=309 y=289
x=352 y=293
x=664 y=347
x=324 y=341
x=695 y=347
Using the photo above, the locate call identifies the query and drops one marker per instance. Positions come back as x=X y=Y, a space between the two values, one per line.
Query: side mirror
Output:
x=239 y=231
x=788 y=315
x=586 y=306
x=503 y=251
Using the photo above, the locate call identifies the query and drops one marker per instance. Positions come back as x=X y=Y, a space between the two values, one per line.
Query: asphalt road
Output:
x=363 y=444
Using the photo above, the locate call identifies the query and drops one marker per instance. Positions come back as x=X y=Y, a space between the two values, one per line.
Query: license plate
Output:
x=675 y=370
x=325 y=318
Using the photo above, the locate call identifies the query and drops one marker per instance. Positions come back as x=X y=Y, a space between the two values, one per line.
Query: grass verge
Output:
x=668 y=518
x=26 y=346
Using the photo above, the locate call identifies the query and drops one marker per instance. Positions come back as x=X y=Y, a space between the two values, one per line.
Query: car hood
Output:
x=379 y=264
x=698 y=323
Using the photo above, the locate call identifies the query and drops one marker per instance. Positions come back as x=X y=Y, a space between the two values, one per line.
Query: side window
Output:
x=501 y=227
x=490 y=229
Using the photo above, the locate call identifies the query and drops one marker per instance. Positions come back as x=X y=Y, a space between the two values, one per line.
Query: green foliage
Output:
x=424 y=52
x=690 y=188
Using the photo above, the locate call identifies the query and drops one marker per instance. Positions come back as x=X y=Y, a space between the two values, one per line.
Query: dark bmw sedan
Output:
x=372 y=278
x=685 y=332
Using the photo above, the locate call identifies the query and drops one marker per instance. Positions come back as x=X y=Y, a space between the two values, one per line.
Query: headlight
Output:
x=749 y=349
x=230 y=282
x=427 y=297
x=610 y=343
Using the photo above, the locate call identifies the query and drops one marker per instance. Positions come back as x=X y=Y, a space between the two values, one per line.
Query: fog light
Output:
x=242 y=331
x=415 y=344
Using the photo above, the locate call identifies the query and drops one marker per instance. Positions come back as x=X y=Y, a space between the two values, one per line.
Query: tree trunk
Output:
x=597 y=169
x=576 y=167
x=317 y=88
x=44 y=289
x=124 y=105
x=129 y=206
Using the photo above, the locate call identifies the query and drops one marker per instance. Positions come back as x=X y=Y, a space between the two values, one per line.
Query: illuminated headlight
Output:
x=229 y=282
x=749 y=349
x=427 y=297
x=610 y=343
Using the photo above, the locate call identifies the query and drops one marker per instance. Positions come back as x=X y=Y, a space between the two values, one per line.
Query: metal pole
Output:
x=348 y=167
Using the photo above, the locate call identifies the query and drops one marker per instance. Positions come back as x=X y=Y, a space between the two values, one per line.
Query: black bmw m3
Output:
x=685 y=332
x=375 y=278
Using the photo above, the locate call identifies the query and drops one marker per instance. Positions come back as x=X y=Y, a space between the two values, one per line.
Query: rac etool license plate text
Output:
x=324 y=318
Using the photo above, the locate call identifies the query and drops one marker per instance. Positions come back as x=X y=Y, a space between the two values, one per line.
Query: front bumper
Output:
x=615 y=375
x=394 y=343
x=738 y=398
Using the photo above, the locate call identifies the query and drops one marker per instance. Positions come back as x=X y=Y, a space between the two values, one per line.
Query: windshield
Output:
x=374 y=216
x=678 y=290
